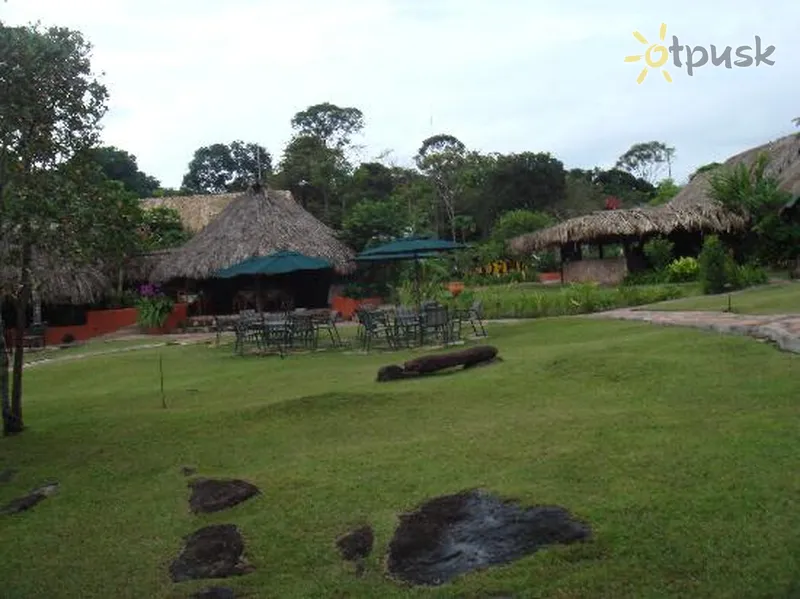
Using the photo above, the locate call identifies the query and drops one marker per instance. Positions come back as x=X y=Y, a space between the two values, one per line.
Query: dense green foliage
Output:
x=683 y=270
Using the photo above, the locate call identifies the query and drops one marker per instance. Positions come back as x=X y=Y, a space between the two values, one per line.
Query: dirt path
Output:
x=781 y=329
x=187 y=339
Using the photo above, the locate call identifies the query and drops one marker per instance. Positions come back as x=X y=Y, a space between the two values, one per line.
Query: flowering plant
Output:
x=153 y=306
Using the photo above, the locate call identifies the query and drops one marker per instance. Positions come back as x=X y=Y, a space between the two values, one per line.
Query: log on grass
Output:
x=465 y=357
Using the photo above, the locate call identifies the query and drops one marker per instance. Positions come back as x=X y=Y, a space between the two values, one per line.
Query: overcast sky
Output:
x=501 y=75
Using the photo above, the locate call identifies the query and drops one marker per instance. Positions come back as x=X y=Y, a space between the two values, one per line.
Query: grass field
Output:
x=678 y=447
x=779 y=298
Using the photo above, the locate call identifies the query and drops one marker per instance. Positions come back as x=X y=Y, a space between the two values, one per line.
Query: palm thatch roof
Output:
x=57 y=281
x=692 y=209
x=139 y=268
x=195 y=211
x=257 y=222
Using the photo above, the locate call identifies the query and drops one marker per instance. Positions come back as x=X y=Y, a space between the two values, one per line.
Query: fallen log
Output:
x=467 y=358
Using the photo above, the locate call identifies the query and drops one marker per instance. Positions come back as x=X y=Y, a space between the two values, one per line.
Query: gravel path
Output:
x=781 y=329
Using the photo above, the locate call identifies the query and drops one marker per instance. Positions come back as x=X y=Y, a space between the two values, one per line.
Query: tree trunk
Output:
x=14 y=424
x=4 y=364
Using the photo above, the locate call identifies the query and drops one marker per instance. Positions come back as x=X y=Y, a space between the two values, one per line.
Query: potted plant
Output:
x=153 y=309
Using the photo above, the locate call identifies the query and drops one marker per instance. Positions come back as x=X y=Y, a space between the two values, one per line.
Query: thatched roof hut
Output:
x=257 y=222
x=691 y=210
x=195 y=211
x=56 y=280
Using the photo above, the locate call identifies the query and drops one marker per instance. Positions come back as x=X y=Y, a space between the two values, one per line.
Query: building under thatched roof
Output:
x=195 y=211
x=55 y=280
x=691 y=210
x=254 y=223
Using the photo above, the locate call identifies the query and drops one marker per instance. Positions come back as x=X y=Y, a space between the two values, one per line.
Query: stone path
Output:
x=781 y=329
x=182 y=339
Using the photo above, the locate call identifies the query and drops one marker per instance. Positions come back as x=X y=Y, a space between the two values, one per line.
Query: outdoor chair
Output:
x=407 y=325
x=375 y=324
x=435 y=322
x=302 y=330
x=325 y=320
x=474 y=314
x=277 y=330
x=247 y=329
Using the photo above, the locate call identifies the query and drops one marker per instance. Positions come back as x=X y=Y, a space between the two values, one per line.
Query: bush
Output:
x=659 y=253
x=716 y=266
x=68 y=339
x=683 y=270
x=647 y=277
x=748 y=275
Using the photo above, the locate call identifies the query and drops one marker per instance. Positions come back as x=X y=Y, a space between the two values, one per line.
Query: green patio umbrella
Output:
x=410 y=248
x=279 y=263
x=274 y=264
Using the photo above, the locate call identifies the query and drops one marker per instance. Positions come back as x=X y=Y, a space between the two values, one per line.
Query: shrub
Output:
x=748 y=275
x=67 y=339
x=647 y=277
x=683 y=270
x=659 y=252
x=716 y=266
x=153 y=307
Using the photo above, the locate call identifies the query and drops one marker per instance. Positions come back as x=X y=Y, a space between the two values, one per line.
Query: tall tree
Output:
x=441 y=157
x=50 y=111
x=315 y=174
x=331 y=124
x=119 y=165
x=648 y=160
x=525 y=181
x=225 y=168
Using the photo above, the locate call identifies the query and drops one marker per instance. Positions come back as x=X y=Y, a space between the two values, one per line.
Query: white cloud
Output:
x=502 y=76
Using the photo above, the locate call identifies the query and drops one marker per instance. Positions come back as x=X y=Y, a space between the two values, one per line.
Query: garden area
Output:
x=685 y=492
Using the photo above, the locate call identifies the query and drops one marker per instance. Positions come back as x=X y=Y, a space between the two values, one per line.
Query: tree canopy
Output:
x=224 y=168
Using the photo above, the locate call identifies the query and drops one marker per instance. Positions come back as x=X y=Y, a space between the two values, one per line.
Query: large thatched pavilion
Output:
x=258 y=222
x=684 y=220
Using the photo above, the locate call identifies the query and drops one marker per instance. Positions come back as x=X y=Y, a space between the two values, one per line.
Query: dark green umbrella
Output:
x=410 y=248
x=274 y=264
x=279 y=263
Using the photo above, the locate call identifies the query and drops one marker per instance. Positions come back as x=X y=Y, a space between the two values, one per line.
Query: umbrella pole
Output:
x=418 y=294
x=258 y=293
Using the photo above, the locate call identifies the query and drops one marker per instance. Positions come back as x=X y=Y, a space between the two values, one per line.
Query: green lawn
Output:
x=679 y=448
x=778 y=298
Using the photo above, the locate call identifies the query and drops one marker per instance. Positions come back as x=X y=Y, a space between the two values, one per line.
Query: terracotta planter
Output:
x=550 y=277
x=455 y=287
x=347 y=306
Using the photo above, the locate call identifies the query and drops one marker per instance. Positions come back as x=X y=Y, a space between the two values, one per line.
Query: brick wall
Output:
x=608 y=271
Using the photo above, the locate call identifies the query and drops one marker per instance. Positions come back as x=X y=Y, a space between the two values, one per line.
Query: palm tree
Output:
x=796 y=121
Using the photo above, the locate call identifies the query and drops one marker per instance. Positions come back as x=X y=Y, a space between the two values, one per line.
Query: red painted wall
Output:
x=103 y=322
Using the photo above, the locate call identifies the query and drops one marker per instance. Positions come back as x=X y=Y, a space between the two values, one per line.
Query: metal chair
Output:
x=374 y=325
x=474 y=314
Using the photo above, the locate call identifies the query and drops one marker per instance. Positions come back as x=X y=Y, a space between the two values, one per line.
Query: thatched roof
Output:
x=195 y=211
x=58 y=281
x=692 y=209
x=139 y=268
x=254 y=223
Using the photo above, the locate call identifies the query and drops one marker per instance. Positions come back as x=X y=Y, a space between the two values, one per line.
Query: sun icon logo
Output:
x=650 y=62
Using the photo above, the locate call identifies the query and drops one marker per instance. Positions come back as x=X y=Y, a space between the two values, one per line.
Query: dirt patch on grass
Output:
x=455 y=534
x=211 y=552
x=209 y=495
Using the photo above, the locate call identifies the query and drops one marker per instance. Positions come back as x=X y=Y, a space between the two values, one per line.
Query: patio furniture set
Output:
x=403 y=327
x=395 y=327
